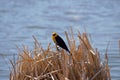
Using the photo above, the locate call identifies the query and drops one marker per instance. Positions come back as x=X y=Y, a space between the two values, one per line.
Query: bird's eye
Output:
x=54 y=34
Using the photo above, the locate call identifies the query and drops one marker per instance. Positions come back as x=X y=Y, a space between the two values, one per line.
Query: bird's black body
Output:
x=61 y=43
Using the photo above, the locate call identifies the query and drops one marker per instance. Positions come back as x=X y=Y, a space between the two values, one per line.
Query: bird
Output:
x=59 y=41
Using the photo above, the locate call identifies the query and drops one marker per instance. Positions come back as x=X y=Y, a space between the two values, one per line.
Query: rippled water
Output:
x=20 y=19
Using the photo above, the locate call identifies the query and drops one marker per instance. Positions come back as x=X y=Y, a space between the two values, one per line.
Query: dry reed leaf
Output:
x=46 y=64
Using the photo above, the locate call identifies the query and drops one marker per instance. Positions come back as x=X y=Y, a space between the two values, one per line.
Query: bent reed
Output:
x=50 y=64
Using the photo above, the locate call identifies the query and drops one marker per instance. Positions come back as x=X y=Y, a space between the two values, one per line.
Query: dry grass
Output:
x=41 y=64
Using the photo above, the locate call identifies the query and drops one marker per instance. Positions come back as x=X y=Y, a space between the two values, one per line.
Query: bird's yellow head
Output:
x=54 y=35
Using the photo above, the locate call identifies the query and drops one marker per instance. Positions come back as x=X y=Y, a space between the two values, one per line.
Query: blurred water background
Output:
x=20 y=19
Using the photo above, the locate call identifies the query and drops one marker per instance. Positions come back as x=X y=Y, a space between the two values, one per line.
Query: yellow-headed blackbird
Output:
x=59 y=41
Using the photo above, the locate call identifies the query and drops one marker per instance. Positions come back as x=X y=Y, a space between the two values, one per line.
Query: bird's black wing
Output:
x=61 y=43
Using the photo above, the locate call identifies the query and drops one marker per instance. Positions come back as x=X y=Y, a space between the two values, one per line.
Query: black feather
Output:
x=61 y=43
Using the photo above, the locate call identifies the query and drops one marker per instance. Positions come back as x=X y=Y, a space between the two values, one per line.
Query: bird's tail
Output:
x=70 y=53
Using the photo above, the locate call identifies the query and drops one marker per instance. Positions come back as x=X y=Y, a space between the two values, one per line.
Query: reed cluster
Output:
x=50 y=64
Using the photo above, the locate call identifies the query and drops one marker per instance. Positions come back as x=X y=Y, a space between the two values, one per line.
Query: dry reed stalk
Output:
x=41 y=64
